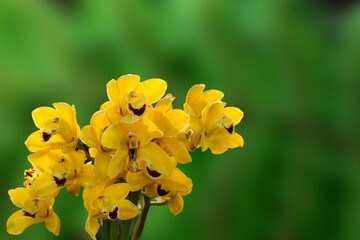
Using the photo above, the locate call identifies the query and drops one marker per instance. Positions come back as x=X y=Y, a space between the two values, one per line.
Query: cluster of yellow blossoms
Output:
x=131 y=145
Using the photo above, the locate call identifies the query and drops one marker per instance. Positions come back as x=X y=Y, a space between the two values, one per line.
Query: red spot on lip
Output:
x=29 y=215
x=161 y=192
x=137 y=112
x=45 y=136
x=114 y=214
x=59 y=182
x=153 y=173
x=230 y=129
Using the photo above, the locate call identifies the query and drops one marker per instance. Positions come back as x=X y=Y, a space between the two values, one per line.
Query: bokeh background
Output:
x=292 y=66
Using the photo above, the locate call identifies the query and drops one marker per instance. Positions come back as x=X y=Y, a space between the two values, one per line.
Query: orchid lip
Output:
x=59 y=182
x=230 y=129
x=137 y=112
x=114 y=214
x=28 y=214
x=45 y=136
x=153 y=173
x=161 y=192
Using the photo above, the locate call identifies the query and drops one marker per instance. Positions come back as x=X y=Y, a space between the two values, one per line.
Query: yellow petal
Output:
x=176 y=204
x=165 y=104
x=42 y=114
x=137 y=180
x=87 y=177
x=18 y=222
x=98 y=122
x=20 y=196
x=113 y=114
x=34 y=143
x=127 y=209
x=198 y=100
x=52 y=223
x=117 y=191
x=197 y=128
x=146 y=131
x=114 y=136
x=88 y=137
x=177 y=149
x=76 y=159
x=151 y=190
x=92 y=226
x=105 y=105
x=211 y=111
x=44 y=187
x=112 y=90
x=156 y=159
x=235 y=114
x=101 y=164
x=74 y=189
x=117 y=162
x=127 y=83
x=177 y=181
x=179 y=120
x=194 y=94
x=221 y=140
x=43 y=161
x=153 y=89
x=68 y=112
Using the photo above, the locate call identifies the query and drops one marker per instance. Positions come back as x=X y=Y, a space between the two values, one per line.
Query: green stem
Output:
x=114 y=227
x=105 y=229
x=141 y=220
x=128 y=224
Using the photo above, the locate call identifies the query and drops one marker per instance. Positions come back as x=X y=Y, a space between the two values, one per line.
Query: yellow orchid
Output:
x=177 y=181
x=163 y=188
x=107 y=201
x=211 y=125
x=130 y=97
x=61 y=170
x=219 y=131
x=58 y=128
x=125 y=158
x=91 y=136
x=171 y=122
x=135 y=142
x=33 y=210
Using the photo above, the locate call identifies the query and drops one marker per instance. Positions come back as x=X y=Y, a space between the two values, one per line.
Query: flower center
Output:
x=135 y=103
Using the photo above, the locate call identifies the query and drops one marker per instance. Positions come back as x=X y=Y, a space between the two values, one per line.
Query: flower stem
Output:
x=105 y=229
x=128 y=224
x=145 y=206
x=114 y=227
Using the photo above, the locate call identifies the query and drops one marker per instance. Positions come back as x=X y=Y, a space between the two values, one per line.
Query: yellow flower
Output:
x=163 y=188
x=196 y=101
x=61 y=170
x=91 y=136
x=130 y=97
x=219 y=132
x=32 y=211
x=107 y=201
x=58 y=128
x=171 y=122
x=135 y=142
x=211 y=125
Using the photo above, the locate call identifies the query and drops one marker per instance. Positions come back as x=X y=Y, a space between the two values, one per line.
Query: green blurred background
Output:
x=292 y=66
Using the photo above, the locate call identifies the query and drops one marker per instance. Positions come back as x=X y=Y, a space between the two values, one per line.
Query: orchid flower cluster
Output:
x=126 y=159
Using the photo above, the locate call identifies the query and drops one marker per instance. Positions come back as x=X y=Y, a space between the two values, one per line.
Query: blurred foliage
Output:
x=292 y=66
